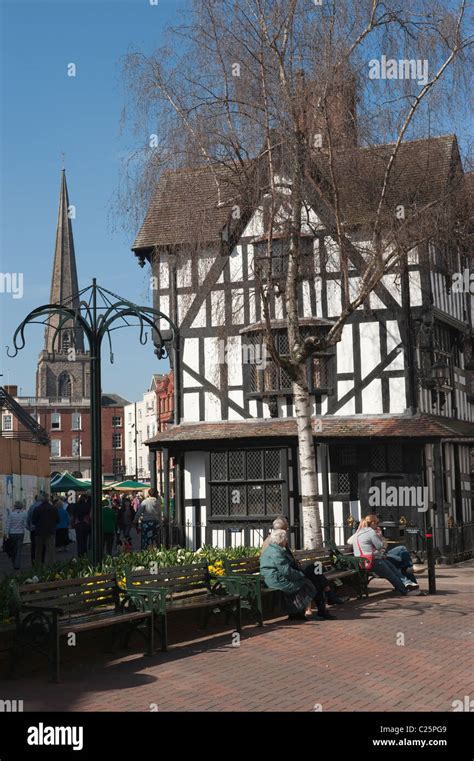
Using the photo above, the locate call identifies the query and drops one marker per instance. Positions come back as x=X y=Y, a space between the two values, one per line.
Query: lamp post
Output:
x=98 y=320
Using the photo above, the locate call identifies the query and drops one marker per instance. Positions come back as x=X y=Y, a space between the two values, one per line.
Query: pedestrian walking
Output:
x=82 y=523
x=62 y=529
x=148 y=520
x=109 y=524
x=15 y=532
x=45 y=519
x=125 y=519
x=39 y=498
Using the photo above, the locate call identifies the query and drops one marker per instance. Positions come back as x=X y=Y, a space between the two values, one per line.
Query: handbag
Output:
x=8 y=546
x=368 y=559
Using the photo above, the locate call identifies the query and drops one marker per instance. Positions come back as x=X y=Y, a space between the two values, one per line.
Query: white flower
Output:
x=34 y=580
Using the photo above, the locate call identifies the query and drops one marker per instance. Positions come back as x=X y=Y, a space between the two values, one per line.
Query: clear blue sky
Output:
x=44 y=113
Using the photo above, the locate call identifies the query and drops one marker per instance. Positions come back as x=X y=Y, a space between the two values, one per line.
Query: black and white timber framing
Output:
x=232 y=484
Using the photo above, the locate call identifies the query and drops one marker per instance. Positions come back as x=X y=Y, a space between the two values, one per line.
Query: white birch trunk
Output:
x=312 y=532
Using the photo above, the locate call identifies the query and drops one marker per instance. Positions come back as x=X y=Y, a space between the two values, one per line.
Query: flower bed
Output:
x=81 y=567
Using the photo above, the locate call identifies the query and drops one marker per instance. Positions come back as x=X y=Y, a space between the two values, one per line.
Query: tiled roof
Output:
x=360 y=426
x=185 y=208
x=113 y=400
x=420 y=175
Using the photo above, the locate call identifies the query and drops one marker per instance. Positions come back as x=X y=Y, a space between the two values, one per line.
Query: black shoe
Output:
x=297 y=617
x=326 y=617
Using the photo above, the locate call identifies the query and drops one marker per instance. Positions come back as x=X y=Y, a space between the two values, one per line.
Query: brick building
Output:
x=143 y=420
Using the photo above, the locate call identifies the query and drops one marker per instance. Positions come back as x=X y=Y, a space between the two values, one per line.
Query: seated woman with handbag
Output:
x=280 y=571
x=368 y=543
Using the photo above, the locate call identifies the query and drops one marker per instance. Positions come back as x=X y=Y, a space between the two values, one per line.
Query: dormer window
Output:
x=264 y=377
x=275 y=262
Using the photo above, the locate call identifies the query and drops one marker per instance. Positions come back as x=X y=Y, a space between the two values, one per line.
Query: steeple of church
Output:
x=63 y=366
x=64 y=285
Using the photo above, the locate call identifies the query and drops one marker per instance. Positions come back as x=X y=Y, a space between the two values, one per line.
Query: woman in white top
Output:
x=15 y=532
x=368 y=543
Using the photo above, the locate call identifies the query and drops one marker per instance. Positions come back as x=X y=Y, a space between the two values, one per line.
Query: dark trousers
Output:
x=320 y=583
x=108 y=543
x=33 y=548
x=82 y=538
x=17 y=539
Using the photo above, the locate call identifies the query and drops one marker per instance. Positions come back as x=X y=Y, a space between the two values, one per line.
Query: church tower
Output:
x=63 y=365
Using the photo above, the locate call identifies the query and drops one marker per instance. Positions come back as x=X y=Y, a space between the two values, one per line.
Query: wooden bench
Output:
x=182 y=587
x=242 y=576
x=336 y=563
x=47 y=611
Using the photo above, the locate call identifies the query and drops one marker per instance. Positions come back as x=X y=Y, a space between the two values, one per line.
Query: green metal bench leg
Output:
x=55 y=655
x=259 y=609
x=151 y=635
x=238 y=613
x=163 y=628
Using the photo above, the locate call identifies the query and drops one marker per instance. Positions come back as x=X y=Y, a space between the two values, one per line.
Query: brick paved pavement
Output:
x=353 y=663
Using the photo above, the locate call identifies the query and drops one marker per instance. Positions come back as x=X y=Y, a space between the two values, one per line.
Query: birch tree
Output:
x=284 y=102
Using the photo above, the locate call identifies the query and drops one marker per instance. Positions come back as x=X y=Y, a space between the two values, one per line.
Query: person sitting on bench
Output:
x=368 y=543
x=280 y=571
x=319 y=580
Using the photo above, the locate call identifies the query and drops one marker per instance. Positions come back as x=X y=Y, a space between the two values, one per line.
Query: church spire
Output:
x=64 y=284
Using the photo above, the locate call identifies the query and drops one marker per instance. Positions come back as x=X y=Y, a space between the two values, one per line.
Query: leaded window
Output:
x=274 y=263
x=267 y=377
x=247 y=483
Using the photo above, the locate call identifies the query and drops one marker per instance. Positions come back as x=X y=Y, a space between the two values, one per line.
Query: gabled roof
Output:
x=113 y=400
x=421 y=174
x=185 y=208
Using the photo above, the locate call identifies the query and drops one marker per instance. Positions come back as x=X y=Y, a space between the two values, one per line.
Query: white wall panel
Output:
x=372 y=398
x=333 y=290
x=164 y=275
x=235 y=264
x=234 y=361
x=345 y=355
x=183 y=275
x=397 y=391
x=191 y=358
x=217 y=308
x=393 y=339
x=342 y=388
x=191 y=406
x=369 y=346
x=194 y=475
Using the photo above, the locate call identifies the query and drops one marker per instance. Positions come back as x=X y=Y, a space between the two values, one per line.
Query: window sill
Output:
x=288 y=392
